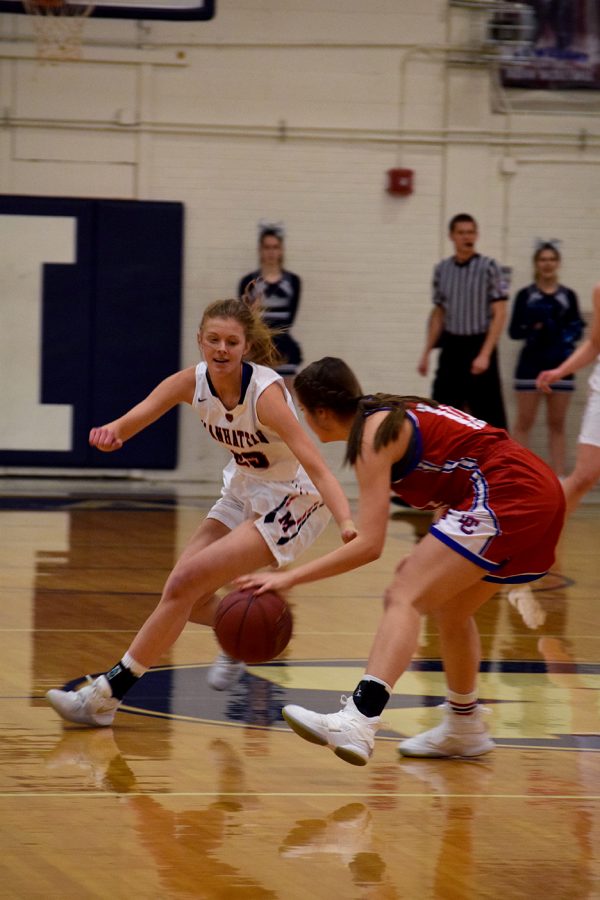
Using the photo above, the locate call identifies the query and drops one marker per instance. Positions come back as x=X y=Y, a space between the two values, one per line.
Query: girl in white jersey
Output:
x=276 y=491
x=587 y=464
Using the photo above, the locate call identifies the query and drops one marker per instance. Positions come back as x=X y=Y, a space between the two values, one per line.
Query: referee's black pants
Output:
x=454 y=385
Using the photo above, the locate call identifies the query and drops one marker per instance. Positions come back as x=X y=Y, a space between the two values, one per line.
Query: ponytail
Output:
x=389 y=429
x=331 y=384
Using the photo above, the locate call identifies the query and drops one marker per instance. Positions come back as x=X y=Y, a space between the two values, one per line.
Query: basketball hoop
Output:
x=58 y=27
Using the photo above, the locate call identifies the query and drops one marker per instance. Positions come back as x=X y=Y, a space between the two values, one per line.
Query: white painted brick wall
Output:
x=348 y=78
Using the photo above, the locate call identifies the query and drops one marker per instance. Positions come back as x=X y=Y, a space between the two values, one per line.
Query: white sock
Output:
x=133 y=665
x=463 y=704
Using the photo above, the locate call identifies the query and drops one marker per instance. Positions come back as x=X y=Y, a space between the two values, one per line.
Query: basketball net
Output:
x=58 y=27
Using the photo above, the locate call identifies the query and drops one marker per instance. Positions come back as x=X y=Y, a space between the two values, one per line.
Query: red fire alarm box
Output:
x=400 y=181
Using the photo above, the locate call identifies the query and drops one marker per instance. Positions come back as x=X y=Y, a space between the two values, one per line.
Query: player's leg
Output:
x=527 y=407
x=205 y=565
x=583 y=477
x=198 y=574
x=462 y=731
x=587 y=462
x=431 y=577
x=557 y=404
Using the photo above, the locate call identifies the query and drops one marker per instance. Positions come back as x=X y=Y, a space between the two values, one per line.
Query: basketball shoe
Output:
x=225 y=672
x=456 y=736
x=348 y=733
x=91 y=705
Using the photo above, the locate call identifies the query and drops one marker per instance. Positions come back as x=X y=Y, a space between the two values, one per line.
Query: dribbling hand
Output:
x=105 y=439
x=259 y=582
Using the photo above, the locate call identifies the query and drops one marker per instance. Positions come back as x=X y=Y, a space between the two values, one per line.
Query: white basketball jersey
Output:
x=257 y=450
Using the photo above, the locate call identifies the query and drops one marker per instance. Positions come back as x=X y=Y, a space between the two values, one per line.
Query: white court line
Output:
x=39 y=795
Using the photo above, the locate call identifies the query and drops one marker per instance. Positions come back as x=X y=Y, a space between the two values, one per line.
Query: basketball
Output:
x=251 y=627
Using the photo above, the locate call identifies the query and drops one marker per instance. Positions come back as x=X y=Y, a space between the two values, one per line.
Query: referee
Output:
x=466 y=323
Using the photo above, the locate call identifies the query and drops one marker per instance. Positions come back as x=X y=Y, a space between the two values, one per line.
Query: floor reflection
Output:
x=183 y=844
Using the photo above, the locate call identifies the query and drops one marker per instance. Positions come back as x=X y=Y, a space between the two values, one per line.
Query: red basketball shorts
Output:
x=512 y=521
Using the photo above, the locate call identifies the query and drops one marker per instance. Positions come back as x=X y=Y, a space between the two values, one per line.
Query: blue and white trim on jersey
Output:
x=449 y=412
x=469 y=533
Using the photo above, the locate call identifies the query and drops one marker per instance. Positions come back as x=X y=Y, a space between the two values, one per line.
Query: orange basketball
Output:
x=251 y=627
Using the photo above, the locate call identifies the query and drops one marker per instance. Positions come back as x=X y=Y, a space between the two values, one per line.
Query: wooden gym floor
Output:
x=200 y=794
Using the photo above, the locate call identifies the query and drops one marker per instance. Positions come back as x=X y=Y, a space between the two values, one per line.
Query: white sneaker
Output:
x=527 y=605
x=456 y=736
x=225 y=672
x=348 y=733
x=91 y=705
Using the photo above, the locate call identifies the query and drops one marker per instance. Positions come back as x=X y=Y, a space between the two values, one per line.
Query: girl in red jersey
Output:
x=503 y=510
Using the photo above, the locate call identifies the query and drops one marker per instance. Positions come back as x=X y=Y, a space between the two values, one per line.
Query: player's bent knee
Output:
x=181 y=588
x=202 y=612
x=395 y=598
x=425 y=606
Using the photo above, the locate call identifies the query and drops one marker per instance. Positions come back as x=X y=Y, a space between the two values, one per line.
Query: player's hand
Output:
x=423 y=364
x=260 y=582
x=348 y=530
x=105 y=439
x=480 y=364
x=545 y=379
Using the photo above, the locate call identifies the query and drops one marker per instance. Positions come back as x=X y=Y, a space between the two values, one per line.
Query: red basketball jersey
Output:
x=504 y=505
x=450 y=448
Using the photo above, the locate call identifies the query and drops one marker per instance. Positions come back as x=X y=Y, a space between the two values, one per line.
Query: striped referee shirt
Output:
x=466 y=291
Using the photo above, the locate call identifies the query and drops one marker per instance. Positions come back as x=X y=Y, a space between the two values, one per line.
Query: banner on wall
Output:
x=549 y=44
x=90 y=309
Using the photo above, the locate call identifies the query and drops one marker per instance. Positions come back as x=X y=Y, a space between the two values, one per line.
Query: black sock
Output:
x=121 y=679
x=370 y=697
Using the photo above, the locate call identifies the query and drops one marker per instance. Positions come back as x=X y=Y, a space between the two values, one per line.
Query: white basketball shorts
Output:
x=289 y=515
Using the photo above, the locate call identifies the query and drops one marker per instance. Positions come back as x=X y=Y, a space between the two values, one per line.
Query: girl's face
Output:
x=547 y=264
x=223 y=344
x=325 y=424
x=271 y=251
x=311 y=420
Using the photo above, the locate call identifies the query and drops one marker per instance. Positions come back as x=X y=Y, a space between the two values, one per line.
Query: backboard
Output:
x=184 y=10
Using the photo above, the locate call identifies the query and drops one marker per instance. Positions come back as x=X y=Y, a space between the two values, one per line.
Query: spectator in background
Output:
x=278 y=292
x=467 y=320
x=546 y=316
x=587 y=464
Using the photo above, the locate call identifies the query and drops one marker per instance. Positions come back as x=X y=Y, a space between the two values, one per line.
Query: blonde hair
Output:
x=258 y=335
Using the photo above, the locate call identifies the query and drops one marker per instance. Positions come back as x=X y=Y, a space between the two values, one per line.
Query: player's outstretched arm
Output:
x=177 y=388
